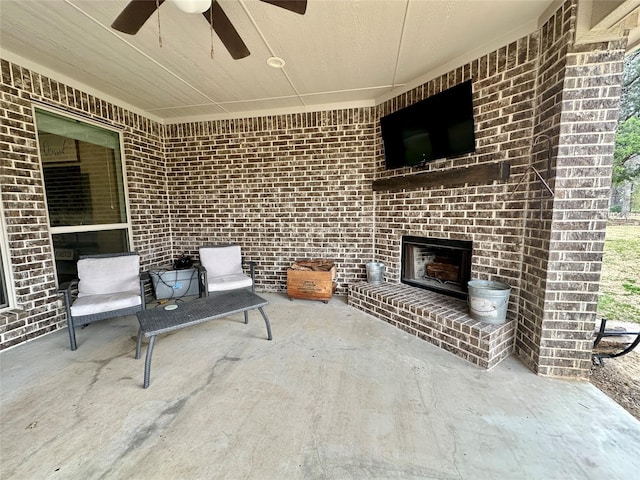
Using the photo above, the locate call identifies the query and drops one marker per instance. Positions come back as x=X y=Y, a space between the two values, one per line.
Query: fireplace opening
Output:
x=436 y=264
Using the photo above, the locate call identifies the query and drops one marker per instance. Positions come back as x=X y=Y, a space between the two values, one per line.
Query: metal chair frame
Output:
x=70 y=292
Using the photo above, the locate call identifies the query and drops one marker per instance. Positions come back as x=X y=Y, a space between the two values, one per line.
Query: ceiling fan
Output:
x=137 y=12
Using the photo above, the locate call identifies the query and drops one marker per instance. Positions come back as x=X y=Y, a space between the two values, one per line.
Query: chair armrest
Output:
x=68 y=287
x=144 y=278
x=202 y=280
x=69 y=290
x=624 y=348
x=252 y=270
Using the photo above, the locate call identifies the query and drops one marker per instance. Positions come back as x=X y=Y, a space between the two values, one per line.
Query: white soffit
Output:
x=341 y=53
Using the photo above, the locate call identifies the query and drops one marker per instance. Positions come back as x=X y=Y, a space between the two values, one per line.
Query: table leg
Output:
x=139 y=343
x=246 y=316
x=266 y=321
x=147 y=361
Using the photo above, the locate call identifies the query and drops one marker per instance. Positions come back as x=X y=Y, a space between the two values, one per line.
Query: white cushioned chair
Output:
x=108 y=286
x=221 y=269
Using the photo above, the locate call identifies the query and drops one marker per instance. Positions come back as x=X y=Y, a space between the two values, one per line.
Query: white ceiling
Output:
x=340 y=53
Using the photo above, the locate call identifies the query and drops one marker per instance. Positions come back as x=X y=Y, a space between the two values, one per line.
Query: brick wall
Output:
x=489 y=215
x=23 y=204
x=23 y=199
x=539 y=102
x=283 y=187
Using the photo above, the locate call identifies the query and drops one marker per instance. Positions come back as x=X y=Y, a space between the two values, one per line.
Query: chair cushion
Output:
x=92 y=304
x=221 y=260
x=108 y=275
x=228 y=282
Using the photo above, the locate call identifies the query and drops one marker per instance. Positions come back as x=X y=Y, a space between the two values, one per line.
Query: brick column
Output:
x=588 y=120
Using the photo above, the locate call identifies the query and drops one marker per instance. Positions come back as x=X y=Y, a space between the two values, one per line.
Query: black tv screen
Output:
x=437 y=127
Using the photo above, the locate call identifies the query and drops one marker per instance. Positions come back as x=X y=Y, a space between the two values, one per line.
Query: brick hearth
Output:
x=437 y=319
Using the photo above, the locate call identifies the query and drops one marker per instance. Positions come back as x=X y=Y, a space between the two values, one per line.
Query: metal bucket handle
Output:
x=505 y=300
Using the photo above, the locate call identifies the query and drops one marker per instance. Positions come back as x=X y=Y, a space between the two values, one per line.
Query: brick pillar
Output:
x=587 y=126
x=555 y=39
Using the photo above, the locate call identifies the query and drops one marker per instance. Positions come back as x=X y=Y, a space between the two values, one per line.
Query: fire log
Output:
x=442 y=271
x=316 y=265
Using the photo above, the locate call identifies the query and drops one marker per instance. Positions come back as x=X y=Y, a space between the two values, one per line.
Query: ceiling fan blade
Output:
x=134 y=15
x=226 y=31
x=295 y=6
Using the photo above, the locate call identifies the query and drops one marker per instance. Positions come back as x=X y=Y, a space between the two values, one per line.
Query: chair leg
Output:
x=246 y=317
x=72 y=334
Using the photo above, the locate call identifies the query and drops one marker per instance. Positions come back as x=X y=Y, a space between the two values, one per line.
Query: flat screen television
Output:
x=437 y=127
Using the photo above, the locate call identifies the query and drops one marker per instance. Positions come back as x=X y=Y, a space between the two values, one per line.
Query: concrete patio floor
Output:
x=337 y=394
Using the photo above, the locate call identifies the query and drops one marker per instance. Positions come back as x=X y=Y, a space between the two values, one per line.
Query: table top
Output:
x=158 y=320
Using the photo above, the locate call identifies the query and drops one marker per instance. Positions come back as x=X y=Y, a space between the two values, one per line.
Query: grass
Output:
x=620 y=283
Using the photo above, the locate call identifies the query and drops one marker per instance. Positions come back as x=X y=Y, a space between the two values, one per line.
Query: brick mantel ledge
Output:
x=437 y=319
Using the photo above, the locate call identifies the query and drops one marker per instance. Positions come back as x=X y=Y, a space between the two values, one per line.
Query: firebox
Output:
x=437 y=264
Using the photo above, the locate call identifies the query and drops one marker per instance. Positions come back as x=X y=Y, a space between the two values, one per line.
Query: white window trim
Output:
x=6 y=266
x=123 y=166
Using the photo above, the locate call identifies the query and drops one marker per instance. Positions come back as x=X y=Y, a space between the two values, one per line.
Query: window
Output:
x=85 y=189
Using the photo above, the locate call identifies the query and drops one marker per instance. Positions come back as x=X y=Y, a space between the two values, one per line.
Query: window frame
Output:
x=123 y=170
x=6 y=271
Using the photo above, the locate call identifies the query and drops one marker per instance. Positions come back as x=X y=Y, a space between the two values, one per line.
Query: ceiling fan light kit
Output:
x=193 y=6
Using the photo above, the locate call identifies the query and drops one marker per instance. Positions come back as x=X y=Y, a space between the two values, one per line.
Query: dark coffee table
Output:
x=158 y=320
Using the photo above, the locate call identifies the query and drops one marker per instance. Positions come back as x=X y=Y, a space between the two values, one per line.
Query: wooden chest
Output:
x=311 y=285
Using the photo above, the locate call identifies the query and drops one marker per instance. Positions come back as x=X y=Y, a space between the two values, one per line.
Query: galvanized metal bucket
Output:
x=375 y=272
x=488 y=300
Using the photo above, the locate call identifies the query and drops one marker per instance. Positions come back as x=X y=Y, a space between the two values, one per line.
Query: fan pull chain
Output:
x=159 y=34
x=211 y=22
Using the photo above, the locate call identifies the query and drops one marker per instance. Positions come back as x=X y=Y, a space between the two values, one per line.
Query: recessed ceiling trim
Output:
x=267 y=99
x=271 y=112
x=351 y=90
x=359 y=40
x=271 y=51
x=59 y=77
x=400 y=42
x=497 y=42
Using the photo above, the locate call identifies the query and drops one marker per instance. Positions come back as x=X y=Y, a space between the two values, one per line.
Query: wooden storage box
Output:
x=311 y=285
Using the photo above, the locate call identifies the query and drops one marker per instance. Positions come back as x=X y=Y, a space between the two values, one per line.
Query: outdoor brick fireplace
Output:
x=438 y=264
x=429 y=300
x=425 y=292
